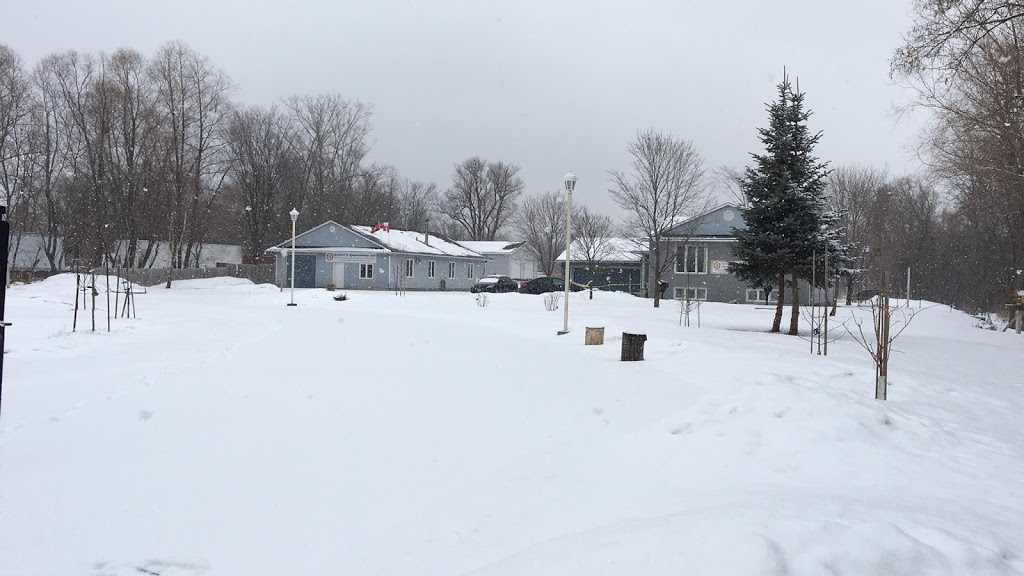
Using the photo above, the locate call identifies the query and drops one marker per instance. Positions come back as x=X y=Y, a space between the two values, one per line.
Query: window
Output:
x=451 y=269
x=366 y=271
x=690 y=293
x=469 y=270
x=408 y=268
x=758 y=295
x=692 y=259
x=430 y=269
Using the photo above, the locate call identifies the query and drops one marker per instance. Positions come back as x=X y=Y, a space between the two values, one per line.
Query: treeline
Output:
x=122 y=155
x=964 y=61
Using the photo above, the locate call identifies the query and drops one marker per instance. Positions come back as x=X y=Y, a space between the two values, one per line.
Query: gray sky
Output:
x=549 y=85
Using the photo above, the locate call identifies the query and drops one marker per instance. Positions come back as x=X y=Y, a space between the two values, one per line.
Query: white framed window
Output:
x=451 y=269
x=409 y=267
x=430 y=269
x=758 y=295
x=690 y=293
x=469 y=270
x=366 y=271
x=692 y=259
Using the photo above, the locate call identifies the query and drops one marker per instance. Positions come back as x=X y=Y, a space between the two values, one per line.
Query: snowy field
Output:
x=223 y=433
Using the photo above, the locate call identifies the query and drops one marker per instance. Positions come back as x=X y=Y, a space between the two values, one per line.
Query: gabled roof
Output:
x=407 y=241
x=492 y=246
x=610 y=250
x=709 y=225
x=288 y=242
x=400 y=241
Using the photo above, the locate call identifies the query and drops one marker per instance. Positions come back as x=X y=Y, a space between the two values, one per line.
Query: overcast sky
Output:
x=549 y=85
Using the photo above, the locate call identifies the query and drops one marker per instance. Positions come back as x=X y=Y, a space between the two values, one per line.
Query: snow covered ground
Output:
x=223 y=433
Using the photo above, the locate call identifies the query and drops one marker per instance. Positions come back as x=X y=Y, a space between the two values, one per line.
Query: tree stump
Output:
x=595 y=336
x=633 y=347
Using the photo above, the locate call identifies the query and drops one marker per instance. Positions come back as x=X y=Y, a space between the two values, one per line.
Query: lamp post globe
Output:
x=295 y=217
x=570 y=184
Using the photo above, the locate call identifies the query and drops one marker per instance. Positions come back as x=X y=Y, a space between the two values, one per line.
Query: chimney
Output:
x=426 y=238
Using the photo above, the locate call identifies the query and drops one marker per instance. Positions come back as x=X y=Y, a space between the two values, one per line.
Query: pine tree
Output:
x=785 y=188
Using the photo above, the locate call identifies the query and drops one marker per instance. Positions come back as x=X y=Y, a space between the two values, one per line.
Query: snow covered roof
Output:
x=492 y=246
x=416 y=242
x=609 y=250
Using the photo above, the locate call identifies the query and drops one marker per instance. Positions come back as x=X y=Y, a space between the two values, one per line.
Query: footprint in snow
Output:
x=684 y=429
x=145 y=415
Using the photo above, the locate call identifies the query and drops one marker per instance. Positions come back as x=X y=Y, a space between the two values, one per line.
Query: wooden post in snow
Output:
x=78 y=288
x=93 y=291
x=106 y=270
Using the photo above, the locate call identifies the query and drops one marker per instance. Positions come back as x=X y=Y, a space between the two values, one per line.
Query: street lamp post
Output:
x=295 y=216
x=570 y=184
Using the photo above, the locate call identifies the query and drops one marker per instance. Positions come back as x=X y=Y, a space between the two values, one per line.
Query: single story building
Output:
x=512 y=259
x=27 y=252
x=355 y=257
x=614 y=264
x=210 y=254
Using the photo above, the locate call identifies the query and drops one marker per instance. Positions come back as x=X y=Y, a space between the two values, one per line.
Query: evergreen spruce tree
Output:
x=786 y=207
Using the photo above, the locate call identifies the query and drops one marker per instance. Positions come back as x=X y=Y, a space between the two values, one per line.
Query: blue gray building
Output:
x=612 y=264
x=353 y=257
x=700 y=250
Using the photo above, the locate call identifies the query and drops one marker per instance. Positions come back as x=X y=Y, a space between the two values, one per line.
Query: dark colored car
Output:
x=545 y=284
x=494 y=284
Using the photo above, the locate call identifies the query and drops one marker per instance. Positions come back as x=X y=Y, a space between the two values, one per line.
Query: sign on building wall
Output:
x=350 y=258
x=719 y=267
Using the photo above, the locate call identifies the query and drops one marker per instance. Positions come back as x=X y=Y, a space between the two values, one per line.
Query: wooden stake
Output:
x=93 y=289
x=106 y=270
x=78 y=288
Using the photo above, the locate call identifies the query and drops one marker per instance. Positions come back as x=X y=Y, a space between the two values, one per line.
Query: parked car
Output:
x=545 y=284
x=494 y=284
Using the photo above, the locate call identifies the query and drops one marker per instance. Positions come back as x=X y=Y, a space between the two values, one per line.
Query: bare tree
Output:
x=14 y=93
x=192 y=103
x=665 y=184
x=946 y=32
x=482 y=199
x=266 y=172
x=374 y=195
x=594 y=239
x=331 y=136
x=726 y=181
x=15 y=150
x=417 y=204
x=851 y=192
x=540 y=222
x=878 y=342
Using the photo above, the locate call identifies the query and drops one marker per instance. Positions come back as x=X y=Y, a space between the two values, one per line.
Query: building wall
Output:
x=26 y=253
x=389 y=271
x=720 y=287
x=209 y=254
x=522 y=265
x=617 y=277
x=498 y=264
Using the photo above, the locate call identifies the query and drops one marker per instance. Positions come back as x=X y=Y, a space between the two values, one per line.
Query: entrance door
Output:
x=339 y=274
x=305 y=271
